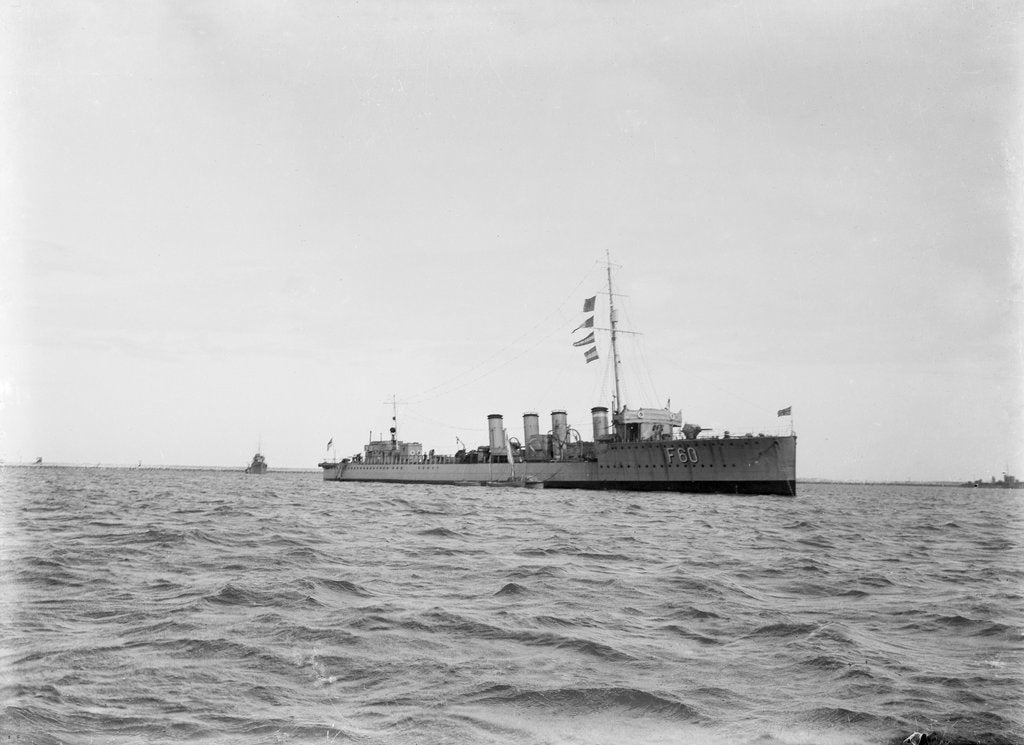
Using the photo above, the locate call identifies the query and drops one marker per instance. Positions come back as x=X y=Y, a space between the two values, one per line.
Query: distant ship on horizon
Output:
x=258 y=465
x=1007 y=482
x=643 y=449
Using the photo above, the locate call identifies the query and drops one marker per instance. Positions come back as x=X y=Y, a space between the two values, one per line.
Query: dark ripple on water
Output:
x=161 y=606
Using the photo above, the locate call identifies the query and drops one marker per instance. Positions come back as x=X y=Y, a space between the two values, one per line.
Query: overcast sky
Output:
x=227 y=225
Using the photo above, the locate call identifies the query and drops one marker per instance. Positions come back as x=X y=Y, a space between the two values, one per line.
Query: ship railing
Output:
x=744 y=432
x=411 y=460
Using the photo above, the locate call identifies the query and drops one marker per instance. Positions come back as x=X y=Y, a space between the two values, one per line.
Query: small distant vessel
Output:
x=258 y=465
x=1008 y=482
x=644 y=449
x=39 y=462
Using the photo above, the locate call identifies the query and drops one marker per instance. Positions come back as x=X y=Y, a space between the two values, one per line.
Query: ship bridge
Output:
x=637 y=425
x=392 y=451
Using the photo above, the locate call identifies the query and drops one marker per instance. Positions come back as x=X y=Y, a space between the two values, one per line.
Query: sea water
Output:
x=149 y=606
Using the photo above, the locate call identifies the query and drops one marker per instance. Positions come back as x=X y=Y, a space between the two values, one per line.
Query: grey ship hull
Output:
x=737 y=465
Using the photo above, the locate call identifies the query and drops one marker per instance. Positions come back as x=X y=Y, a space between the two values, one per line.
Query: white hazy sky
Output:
x=234 y=223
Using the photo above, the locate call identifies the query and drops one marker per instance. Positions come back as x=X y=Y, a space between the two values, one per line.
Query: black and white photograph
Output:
x=512 y=373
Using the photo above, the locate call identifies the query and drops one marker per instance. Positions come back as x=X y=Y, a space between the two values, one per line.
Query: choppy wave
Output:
x=161 y=606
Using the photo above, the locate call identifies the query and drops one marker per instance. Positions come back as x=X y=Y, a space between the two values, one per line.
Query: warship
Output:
x=640 y=449
x=1007 y=482
x=258 y=465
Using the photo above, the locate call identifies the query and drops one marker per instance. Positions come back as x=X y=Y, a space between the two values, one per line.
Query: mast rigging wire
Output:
x=450 y=386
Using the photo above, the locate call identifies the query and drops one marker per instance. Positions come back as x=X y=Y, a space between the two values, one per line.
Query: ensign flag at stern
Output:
x=788 y=411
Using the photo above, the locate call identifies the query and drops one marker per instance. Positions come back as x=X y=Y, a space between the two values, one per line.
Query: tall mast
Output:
x=394 y=421
x=613 y=318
